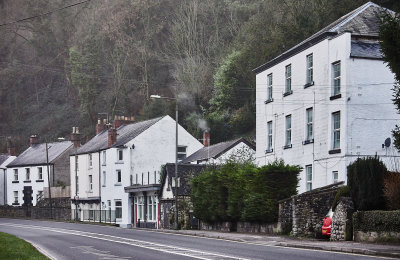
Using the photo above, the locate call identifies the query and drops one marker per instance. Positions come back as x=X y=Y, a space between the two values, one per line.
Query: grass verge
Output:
x=12 y=247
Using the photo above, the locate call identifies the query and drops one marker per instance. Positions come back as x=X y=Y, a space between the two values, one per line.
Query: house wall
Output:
x=3 y=180
x=61 y=168
x=238 y=152
x=353 y=131
x=36 y=183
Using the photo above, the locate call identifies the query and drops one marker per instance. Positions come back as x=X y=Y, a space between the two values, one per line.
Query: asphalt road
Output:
x=84 y=241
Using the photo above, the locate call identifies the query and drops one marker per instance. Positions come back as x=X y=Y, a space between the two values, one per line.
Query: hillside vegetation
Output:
x=108 y=56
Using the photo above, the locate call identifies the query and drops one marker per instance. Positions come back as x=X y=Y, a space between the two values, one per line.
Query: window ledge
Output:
x=268 y=101
x=288 y=146
x=15 y=181
x=269 y=150
x=39 y=180
x=103 y=164
x=15 y=204
x=28 y=181
x=288 y=93
x=119 y=162
x=335 y=96
x=334 y=151
x=118 y=184
x=103 y=185
x=308 y=141
x=309 y=84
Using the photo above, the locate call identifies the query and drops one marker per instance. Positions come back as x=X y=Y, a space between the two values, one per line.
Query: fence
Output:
x=101 y=216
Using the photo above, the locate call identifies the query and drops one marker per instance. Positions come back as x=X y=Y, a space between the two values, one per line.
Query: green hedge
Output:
x=343 y=192
x=377 y=221
x=243 y=192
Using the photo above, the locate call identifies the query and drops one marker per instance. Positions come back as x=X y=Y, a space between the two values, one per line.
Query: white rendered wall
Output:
x=3 y=180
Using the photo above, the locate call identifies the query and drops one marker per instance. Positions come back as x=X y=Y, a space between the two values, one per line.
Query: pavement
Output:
x=372 y=249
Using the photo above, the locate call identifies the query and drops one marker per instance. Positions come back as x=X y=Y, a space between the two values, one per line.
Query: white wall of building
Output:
x=355 y=73
x=3 y=180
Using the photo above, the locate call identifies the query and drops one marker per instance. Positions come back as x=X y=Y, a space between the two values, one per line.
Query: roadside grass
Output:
x=12 y=247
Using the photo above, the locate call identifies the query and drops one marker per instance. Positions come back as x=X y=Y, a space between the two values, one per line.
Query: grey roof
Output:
x=365 y=49
x=185 y=173
x=214 y=151
x=3 y=158
x=125 y=133
x=36 y=154
x=362 y=21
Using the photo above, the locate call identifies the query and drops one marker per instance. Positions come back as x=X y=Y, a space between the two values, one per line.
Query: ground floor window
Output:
x=140 y=208
x=309 y=177
x=16 y=197
x=151 y=208
x=118 y=209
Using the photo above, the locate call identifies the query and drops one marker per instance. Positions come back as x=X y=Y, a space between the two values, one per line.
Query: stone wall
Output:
x=7 y=211
x=62 y=168
x=246 y=227
x=307 y=210
x=342 y=220
x=224 y=226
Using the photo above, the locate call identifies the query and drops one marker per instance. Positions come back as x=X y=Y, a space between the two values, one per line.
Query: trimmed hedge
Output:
x=376 y=221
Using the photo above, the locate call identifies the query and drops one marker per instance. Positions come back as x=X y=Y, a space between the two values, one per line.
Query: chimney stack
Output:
x=112 y=136
x=76 y=137
x=123 y=120
x=206 y=138
x=34 y=139
x=100 y=126
x=10 y=147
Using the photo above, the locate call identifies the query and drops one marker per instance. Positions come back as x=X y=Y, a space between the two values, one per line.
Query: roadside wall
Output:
x=342 y=220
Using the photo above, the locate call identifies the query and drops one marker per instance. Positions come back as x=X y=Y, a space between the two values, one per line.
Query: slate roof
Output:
x=214 y=151
x=365 y=49
x=36 y=154
x=3 y=158
x=125 y=133
x=185 y=173
x=362 y=21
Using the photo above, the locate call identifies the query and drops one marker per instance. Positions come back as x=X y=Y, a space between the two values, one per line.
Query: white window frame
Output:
x=16 y=200
x=309 y=124
x=269 y=136
x=309 y=177
x=336 y=130
x=288 y=130
x=104 y=178
x=120 y=155
x=181 y=154
x=288 y=79
x=118 y=208
x=119 y=176
x=269 y=87
x=104 y=158
x=15 y=174
x=27 y=174
x=151 y=208
x=336 y=78
x=90 y=160
x=140 y=208
x=90 y=183
x=40 y=173
x=335 y=176
x=310 y=69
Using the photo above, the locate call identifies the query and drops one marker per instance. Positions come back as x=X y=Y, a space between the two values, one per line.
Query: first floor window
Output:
x=90 y=182
x=288 y=130
x=336 y=130
x=181 y=153
x=269 y=130
x=118 y=209
x=120 y=155
x=336 y=78
x=104 y=178
x=16 y=197
x=28 y=174
x=269 y=87
x=40 y=173
x=288 y=74
x=309 y=124
x=90 y=161
x=335 y=175
x=309 y=69
x=309 y=177
x=15 y=174
x=151 y=208
x=119 y=176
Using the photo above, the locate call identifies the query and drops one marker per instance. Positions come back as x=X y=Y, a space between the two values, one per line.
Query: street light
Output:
x=176 y=153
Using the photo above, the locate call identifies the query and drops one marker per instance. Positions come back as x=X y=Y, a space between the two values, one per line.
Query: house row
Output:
x=328 y=101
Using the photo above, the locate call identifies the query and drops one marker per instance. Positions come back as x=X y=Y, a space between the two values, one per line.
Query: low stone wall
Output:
x=342 y=220
x=246 y=227
x=306 y=211
x=224 y=226
x=7 y=211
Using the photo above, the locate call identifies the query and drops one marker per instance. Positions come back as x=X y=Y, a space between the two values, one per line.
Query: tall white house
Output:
x=328 y=101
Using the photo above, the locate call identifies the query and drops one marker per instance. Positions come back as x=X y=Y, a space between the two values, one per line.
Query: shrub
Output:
x=343 y=192
x=377 y=221
x=391 y=190
x=365 y=180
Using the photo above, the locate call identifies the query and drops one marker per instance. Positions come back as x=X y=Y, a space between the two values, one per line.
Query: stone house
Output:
x=327 y=101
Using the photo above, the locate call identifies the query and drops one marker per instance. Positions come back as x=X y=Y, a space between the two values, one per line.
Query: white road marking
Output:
x=99 y=253
x=133 y=242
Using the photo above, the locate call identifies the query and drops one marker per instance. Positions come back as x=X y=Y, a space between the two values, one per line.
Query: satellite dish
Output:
x=387 y=142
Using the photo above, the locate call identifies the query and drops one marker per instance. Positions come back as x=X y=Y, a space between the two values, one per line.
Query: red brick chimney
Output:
x=206 y=138
x=122 y=120
x=10 y=147
x=100 y=126
x=76 y=137
x=34 y=139
x=112 y=136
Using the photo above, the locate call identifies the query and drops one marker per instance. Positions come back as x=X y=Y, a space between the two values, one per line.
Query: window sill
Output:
x=118 y=184
x=29 y=181
x=119 y=162
x=309 y=84
x=15 y=204
x=308 y=141
x=335 y=96
x=39 y=180
x=288 y=93
x=334 y=151
x=288 y=146
x=103 y=185
x=269 y=151
x=15 y=181
x=103 y=164
x=268 y=101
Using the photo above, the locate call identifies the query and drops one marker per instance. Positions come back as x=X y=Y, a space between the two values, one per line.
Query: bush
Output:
x=391 y=190
x=377 y=221
x=343 y=192
x=365 y=180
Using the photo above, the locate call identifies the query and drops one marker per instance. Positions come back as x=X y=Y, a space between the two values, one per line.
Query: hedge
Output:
x=377 y=221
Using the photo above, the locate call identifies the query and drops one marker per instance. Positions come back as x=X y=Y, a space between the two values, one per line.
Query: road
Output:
x=84 y=241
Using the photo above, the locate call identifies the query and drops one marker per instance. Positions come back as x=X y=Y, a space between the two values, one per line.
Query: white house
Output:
x=238 y=149
x=327 y=101
x=28 y=173
x=5 y=159
x=125 y=174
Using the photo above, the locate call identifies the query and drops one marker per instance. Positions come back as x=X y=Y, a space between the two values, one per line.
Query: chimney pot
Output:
x=76 y=137
x=33 y=139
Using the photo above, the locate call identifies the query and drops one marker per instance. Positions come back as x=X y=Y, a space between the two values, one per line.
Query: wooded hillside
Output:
x=108 y=56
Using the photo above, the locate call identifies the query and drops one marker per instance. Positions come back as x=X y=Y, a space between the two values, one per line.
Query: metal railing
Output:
x=94 y=215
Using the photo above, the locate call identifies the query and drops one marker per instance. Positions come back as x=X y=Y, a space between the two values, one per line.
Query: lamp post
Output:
x=176 y=154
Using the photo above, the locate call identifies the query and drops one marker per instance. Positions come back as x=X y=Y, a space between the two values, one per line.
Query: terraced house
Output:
x=327 y=101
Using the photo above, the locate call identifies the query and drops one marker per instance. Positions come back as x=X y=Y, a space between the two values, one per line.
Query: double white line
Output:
x=133 y=242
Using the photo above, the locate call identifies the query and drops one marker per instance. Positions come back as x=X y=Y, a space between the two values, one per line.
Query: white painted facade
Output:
x=367 y=114
x=143 y=157
x=238 y=152
x=3 y=180
x=19 y=177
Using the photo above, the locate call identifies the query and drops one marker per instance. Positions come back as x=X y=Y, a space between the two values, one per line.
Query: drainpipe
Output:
x=100 y=186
